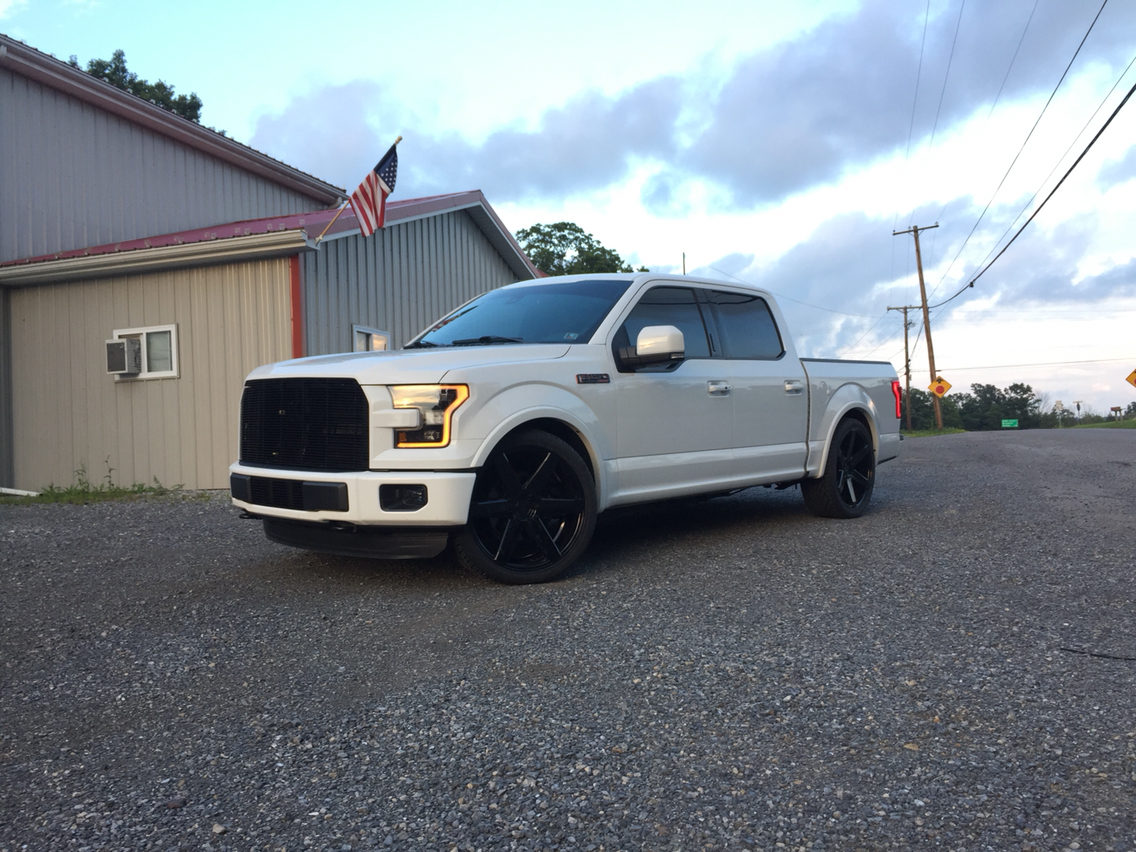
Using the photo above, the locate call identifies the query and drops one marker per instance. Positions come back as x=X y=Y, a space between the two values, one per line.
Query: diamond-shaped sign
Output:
x=1131 y=378
x=939 y=387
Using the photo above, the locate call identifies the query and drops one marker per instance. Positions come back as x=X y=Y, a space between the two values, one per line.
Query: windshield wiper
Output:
x=485 y=338
x=421 y=344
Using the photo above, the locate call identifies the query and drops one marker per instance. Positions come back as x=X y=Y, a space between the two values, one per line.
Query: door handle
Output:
x=792 y=386
x=718 y=388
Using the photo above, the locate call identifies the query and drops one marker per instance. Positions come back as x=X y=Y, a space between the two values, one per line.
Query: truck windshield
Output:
x=565 y=312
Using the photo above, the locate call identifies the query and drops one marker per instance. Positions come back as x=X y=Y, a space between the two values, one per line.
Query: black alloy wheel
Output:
x=532 y=513
x=845 y=488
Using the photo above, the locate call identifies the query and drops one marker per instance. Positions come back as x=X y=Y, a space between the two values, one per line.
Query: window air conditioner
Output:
x=124 y=356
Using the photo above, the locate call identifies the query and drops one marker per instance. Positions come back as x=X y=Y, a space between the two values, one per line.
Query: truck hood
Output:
x=408 y=366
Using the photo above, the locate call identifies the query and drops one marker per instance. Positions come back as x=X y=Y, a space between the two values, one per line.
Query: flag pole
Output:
x=341 y=209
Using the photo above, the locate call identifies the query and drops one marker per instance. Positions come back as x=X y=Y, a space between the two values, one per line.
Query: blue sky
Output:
x=774 y=143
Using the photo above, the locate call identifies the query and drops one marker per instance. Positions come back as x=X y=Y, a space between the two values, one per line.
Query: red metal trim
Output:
x=297 y=313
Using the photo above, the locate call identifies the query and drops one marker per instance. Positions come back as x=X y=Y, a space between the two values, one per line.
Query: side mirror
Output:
x=655 y=344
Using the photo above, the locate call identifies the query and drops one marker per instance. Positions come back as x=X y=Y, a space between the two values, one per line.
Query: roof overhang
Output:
x=160 y=258
x=257 y=238
x=31 y=63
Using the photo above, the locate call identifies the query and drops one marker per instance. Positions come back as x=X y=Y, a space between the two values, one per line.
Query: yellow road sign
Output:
x=939 y=387
x=1132 y=378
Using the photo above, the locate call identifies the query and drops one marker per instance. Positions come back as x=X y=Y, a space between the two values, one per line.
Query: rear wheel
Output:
x=533 y=511
x=845 y=487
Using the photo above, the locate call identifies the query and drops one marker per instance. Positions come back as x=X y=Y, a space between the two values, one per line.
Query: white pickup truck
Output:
x=508 y=425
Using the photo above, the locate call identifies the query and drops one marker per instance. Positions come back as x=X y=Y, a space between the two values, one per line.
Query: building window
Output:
x=159 y=351
x=369 y=339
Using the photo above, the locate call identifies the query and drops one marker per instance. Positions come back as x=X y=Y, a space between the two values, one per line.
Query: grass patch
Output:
x=85 y=491
x=1108 y=424
x=930 y=433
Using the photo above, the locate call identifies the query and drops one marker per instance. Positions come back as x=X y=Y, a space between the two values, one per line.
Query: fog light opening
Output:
x=402 y=498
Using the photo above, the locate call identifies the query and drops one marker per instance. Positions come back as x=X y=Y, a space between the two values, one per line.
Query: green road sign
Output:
x=1009 y=424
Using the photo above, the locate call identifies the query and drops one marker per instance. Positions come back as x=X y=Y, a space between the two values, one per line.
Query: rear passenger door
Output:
x=767 y=385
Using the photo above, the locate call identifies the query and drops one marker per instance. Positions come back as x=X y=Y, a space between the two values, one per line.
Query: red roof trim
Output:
x=312 y=224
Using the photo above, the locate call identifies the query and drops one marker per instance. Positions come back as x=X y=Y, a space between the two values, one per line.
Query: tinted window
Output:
x=746 y=326
x=668 y=306
x=566 y=312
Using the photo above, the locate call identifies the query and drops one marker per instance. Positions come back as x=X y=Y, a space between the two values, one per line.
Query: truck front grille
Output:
x=304 y=424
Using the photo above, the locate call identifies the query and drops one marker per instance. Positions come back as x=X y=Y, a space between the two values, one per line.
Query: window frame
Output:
x=371 y=333
x=141 y=333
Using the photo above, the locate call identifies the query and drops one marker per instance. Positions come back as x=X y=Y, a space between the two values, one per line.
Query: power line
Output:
x=789 y=299
x=1046 y=201
x=993 y=106
x=1025 y=142
x=1044 y=364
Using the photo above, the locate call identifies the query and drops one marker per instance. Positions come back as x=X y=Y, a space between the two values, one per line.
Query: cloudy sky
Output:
x=774 y=143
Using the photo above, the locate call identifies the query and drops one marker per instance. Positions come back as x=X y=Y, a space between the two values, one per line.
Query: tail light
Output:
x=898 y=394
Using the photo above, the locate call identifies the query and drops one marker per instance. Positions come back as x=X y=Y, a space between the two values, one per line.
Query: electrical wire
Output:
x=1025 y=142
x=1046 y=201
x=1044 y=364
x=990 y=112
x=789 y=299
x=947 y=75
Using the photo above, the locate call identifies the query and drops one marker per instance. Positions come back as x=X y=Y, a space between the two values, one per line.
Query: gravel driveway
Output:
x=955 y=670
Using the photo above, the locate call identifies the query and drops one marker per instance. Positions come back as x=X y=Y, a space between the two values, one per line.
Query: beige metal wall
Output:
x=69 y=414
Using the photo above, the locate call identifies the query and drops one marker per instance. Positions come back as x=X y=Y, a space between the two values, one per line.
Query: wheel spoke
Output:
x=559 y=507
x=537 y=483
x=501 y=508
x=507 y=477
x=544 y=540
x=507 y=543
x=857 y=458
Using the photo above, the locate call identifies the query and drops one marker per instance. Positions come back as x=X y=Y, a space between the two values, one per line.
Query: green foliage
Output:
x=923 y=413
x=85 y=491
x=566 y=249
x=986 y=406
x=115 y=72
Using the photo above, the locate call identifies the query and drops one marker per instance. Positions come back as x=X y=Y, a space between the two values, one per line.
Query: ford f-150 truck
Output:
x=508 y=425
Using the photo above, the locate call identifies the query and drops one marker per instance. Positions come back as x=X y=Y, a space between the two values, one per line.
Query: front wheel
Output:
x=845 y=487
x=533 y=511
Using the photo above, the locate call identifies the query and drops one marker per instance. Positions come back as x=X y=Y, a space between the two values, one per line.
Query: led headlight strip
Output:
x=436 y=404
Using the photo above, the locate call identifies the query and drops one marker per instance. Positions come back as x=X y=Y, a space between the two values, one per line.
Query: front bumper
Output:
x=351 y=498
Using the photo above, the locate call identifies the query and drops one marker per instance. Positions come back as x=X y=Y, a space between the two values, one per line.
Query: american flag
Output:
x=370 y=199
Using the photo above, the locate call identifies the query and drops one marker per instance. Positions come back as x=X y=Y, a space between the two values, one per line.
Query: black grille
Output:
x=284 y=493
x=304 y=424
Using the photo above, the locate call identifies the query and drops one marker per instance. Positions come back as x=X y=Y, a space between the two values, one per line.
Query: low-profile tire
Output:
x=532 y=513
x=845 y=488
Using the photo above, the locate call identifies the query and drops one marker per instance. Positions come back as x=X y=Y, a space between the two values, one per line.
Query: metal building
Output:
x=127 y=229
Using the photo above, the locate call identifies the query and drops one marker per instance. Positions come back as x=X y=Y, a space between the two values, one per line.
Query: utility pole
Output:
x=906 y=364
x=914 y=230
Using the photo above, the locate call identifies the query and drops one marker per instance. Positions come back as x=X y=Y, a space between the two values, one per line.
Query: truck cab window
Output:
x=746 y=326
x=675 y=306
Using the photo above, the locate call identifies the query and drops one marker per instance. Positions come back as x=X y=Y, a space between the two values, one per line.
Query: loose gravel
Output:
x=955 y=670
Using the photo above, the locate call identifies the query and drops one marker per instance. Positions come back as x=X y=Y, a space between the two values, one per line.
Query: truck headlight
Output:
x=437 y=404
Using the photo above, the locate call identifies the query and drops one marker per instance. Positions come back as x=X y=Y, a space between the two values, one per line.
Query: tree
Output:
x=566 y=249
x=116 y=73
x=923 y=411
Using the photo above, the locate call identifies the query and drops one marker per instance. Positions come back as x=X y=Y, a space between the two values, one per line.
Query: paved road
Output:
x=953 y=671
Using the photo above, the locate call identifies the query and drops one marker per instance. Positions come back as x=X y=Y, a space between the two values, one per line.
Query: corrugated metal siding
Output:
x=73 y=176
x=69 y=414
x=6 y=475
x=399 y=279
